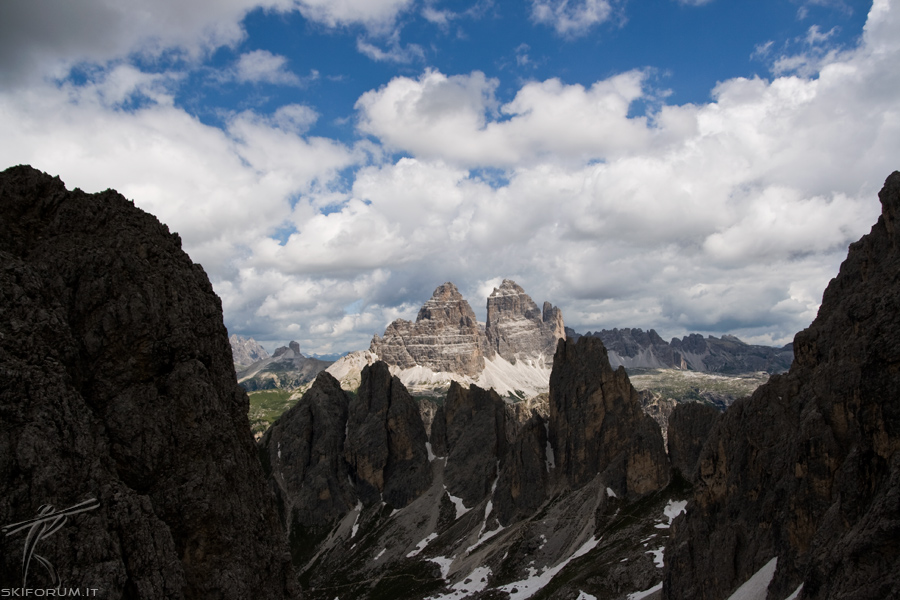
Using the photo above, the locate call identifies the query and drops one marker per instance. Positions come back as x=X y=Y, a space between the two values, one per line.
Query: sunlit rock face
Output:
x=117 y=385
x=516 y=328
x=444 y=337
x=246 y=351
x=808 y=469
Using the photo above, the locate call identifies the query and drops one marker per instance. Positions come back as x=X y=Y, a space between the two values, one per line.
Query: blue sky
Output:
x=684 y=166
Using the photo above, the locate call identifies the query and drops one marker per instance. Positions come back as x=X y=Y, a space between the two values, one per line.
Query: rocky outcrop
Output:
x=597 y=425
x=117 y=384
x=516 y=328
x=635 y=348
x=689 y=426
x=303 y=453
x=286 y=369
x=473 y=438
x=445 y=337
x=246 y=351
x=385 y=445
x=808 y=469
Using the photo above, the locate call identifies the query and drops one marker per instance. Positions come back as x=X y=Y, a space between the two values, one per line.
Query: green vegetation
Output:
x=687 y=386
x=266 y=406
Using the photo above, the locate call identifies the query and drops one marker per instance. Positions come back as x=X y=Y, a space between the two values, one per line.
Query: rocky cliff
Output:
x=516 y=328
x=246 y=351
x=445 y=337
x=117 y=386
x=801 y=482
x=597 y=425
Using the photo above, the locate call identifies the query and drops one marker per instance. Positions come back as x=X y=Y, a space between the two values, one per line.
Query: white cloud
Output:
x=392 y=52
x=457 y=119
x=220 y=190
x=261 y=66
x=374 y=14
x=47 y=37
x=726 y=216
x=571 y=17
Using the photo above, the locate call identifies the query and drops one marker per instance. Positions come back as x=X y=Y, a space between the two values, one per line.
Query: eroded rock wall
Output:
x=808 y=470
x=117 y=383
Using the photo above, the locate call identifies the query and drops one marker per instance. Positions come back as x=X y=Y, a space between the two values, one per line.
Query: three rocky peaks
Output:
x=446 y=337
x=117 y=383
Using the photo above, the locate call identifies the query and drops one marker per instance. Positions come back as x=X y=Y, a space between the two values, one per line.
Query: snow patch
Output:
x=526 y=588
x=645 y=593
x=657 y=556
x=475 y=582
x=674 y=508
x=421 y=545
x=444 y=563
x=458 y=503
x=484 y=536
x=550 y=459
x=431 y=455
x=796 y=593
x=585 y=596
x=358 y=508
x=756 y=587
x=377 y=556
x=610 y=493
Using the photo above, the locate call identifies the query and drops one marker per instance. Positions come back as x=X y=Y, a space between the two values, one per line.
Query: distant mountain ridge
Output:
x=287 y=369
x=636 y=348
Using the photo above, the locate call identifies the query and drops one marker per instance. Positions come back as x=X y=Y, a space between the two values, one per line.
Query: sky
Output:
x=681 y=165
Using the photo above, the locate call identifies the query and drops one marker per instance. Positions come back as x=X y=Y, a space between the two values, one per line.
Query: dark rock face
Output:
x=385 y=446
x=597 y=426
x=304 y=455
x=475 y=430
x=517 y=328
x=117 y=383
x=689 y=426
x=445 y=336
x=808 y=468
x=524 y=480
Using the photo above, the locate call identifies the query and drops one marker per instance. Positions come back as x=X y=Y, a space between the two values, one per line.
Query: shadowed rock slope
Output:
x=808 y=470
x=498 y=500
x=117 y=384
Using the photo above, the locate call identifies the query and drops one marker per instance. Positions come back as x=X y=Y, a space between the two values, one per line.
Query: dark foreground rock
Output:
x=117 y=384
x=597 y=426
x=808 y=470
x=689 y=426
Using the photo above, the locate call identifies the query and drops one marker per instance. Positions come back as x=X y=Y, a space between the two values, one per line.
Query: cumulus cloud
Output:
x=219 y=189
x=728 y=216
x=374 y=14
x=261 y=66
x=458 y=119
x=47 y=37
x=571 y=17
